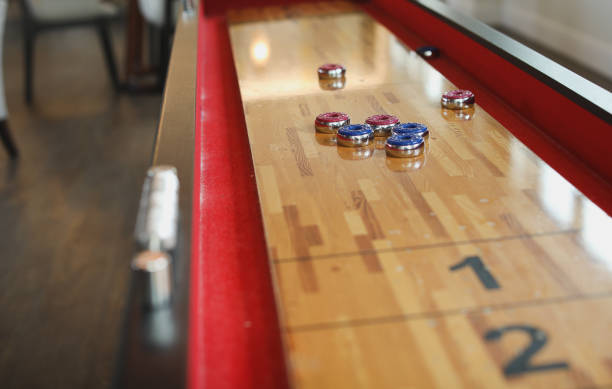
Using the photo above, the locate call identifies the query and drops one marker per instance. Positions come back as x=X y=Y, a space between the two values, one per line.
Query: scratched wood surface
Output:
x=473 y=266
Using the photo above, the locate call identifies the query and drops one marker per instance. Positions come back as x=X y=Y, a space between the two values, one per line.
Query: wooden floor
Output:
x=473 y=266
x=67 y=211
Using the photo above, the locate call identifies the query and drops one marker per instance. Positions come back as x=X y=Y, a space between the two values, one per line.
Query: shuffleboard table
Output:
x=483 y=262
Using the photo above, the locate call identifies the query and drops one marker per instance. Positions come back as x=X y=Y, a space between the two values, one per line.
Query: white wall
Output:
x=486 y=10
x=579 y=29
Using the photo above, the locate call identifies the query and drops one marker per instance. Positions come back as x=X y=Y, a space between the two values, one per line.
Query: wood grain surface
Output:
x=391 y=273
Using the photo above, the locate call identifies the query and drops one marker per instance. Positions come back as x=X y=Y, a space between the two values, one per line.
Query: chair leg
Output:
x=164 y=56
x=109 y=56
x=7 y=139
x=29 y=39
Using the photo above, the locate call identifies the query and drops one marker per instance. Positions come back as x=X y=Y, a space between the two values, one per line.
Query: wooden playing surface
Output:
x=473 y=266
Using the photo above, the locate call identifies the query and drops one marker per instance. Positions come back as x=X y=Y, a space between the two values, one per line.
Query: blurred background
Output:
x=576 y=34
x=83 y=82
x=83 y=121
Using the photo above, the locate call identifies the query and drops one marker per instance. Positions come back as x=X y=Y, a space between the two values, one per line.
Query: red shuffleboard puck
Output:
x=328 y=123
x=458 y=99
x=331 y=70
x=382 y=124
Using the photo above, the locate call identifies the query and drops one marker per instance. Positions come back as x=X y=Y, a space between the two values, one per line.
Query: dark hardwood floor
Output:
x=67 y=211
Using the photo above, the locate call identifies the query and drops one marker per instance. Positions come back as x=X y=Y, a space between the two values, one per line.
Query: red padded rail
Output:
x=234 y=336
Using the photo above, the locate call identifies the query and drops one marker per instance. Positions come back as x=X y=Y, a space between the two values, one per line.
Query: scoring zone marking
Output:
x=521 y=363
x=484 y=275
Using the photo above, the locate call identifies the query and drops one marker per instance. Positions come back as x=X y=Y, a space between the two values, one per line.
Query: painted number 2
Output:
x=520 y=364
x=484 y=275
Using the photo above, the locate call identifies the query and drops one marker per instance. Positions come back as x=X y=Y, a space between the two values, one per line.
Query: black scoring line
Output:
x=481 y=310
x=422 y=247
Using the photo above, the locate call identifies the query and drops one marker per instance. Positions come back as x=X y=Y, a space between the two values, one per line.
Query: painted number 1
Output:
x=521 y=364
x=480 y=269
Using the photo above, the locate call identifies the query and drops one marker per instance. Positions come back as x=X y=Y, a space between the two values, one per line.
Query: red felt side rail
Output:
x=571 y=139
x=234 y=336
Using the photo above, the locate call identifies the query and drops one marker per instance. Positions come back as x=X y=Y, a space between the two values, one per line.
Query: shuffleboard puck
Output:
x=457 y=99
x=331 y=70
x=382 y=124
x=330 y=122
x=355 y=135
x=403 y=146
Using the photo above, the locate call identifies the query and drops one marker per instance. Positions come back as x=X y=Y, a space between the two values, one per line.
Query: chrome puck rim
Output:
x=383 y=129
x=404 y=152
x=410 y=129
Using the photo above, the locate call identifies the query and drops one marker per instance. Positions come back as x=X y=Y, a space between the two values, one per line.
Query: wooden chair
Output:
x=44 y=15
x=5 y=134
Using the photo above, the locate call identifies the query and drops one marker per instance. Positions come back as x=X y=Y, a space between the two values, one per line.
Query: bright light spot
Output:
x=596 y=231
x=519 y=161
x=433 y=83
x=260 y=52
x=557 y=195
